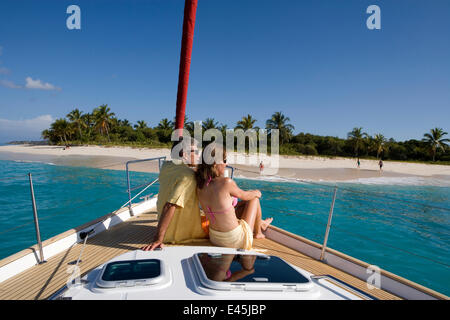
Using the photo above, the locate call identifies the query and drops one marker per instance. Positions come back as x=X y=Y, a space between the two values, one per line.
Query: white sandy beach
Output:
x=297 y=167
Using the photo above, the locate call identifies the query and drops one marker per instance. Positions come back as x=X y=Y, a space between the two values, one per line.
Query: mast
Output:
x=190 y=9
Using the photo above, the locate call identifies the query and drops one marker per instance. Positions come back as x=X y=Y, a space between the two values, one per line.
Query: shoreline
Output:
x=297 y=168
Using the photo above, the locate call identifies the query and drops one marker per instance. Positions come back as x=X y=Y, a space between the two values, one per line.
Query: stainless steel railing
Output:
x=331 y=210
x=129 y=202
x=148 y=185
x=232 y=171
x=36 y=221
x=327 y=230
x=160 y=160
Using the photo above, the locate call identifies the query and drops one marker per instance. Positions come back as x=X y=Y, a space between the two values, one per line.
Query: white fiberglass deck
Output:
x=182 y=280
x=42 y=281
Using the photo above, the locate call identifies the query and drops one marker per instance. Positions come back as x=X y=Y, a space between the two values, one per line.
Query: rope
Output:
x=65 y=212
x=13 y=177
x=354 y=191
x=374 y=194
x=296 y=212
x=70 y=210
x=58 y=214
x=16 y=227
x=46 y=173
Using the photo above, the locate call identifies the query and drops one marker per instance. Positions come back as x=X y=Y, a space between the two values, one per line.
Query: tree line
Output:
x=101 y=126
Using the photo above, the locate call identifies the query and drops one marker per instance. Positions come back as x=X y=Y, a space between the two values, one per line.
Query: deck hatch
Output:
x=248 y=272
x=132 y=273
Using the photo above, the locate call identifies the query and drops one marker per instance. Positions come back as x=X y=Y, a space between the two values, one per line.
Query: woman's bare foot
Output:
x=265 y=223
x=263 y=226
x=259 y=236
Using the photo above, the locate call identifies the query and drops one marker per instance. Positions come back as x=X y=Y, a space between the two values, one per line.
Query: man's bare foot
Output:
x=265 y=223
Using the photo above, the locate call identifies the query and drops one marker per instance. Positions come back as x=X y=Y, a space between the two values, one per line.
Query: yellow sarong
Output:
x=240 y=237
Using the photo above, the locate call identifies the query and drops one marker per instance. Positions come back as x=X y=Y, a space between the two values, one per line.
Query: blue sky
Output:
x=316 y=61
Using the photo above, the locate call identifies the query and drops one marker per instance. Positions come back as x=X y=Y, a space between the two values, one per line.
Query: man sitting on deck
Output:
x=179 y=217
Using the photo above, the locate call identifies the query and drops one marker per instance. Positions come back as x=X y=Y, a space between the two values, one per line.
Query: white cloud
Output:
x=9 y=84
x=30 y=83
x=27 y=129
x=38 y=84
x=4 y=70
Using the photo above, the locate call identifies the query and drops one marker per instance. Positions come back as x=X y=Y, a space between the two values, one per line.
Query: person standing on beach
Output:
x=358 y=163
x=261 y=167
x=179 y=217
x=380 y=163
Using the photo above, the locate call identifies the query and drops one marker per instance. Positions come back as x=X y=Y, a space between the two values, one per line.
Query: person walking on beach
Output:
x=380 y=164
x=179 y=217
x=358 y=163
x=261 y=167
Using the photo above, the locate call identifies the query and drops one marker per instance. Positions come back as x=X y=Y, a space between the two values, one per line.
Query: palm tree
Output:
x=246 y=123
x=280 y=121
x=62 y=129
x=223 y=128
x=89 y=123
x=47 y=135
x=141 y=125
x=210 y=123
x=435 y=140
x=103 y=116
x=124 y=123
x=379 y=142
x=165 y=124
x=357 y=136
x=113 y=124
x=76 y=117
x=189 y=126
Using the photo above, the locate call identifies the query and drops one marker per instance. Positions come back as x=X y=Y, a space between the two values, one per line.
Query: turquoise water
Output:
x=384 y=225
x=404 y=229
x=66 y=197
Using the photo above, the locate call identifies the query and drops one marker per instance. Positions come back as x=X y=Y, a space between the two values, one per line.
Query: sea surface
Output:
x=402 y=226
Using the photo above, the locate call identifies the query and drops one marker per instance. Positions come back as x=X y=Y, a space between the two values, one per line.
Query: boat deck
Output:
x=42 y=281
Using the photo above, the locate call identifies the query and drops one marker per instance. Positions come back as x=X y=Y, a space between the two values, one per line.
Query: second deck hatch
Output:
x=248 y=272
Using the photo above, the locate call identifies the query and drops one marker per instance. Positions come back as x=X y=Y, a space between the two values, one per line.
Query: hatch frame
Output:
x=249 y=286
x=127 y=283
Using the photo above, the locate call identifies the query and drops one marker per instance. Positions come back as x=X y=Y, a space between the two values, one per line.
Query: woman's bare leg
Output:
x=260 y=225
x=257 y=231
x=266 y=222
x=249 y=214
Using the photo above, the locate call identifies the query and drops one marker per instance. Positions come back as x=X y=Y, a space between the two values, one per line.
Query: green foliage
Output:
x=280 y=121
x=246 y=123
x=102 y=127
x=435 y=140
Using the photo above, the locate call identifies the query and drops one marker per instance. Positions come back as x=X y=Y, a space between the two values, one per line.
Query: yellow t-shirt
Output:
x=178 y=186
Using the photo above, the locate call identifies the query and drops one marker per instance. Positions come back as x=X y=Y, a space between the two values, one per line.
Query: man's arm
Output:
x=163 y=223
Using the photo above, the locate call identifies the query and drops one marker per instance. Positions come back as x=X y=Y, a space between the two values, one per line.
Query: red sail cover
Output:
x=190 y=9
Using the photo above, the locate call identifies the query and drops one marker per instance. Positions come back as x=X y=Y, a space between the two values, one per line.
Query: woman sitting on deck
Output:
x=229 y=226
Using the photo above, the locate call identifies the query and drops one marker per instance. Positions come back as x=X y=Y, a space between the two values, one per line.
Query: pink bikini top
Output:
x=211 y=213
